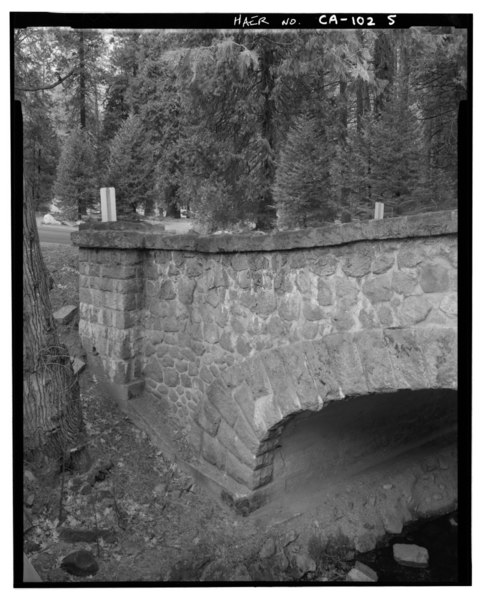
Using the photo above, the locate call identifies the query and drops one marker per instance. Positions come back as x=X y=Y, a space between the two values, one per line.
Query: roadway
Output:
x=54 y=234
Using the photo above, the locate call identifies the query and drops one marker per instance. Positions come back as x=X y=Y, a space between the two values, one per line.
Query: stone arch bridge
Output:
x=231 y=337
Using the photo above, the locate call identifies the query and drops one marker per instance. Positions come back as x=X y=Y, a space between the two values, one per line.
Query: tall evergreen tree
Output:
x=123 y=71
x=76 y=183
x=302 y=189
x=84 y=49
x=130 y=168
x=397 y=176
x=34 y=79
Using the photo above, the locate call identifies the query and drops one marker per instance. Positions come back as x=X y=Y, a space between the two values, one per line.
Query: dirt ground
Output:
x=138 y=513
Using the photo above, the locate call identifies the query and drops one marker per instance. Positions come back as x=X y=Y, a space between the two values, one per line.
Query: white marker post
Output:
x=107 y=204
x=379 y=206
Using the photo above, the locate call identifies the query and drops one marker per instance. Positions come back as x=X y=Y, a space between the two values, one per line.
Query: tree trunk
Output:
x=82 y=93
x=170 y=200
x=362 y=102
x=39 y=179
x=405 y=60
x=362 y=92
x=343 y=124
x=52 y=414
x=384 y=59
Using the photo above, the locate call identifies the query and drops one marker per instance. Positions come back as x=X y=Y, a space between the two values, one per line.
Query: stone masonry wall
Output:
x=233 y=334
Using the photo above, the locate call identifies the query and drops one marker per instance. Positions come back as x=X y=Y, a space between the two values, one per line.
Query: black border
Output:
x=226 y=20
x=465 y=162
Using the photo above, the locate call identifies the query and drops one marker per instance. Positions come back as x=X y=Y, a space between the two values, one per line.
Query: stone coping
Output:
x=142 y=235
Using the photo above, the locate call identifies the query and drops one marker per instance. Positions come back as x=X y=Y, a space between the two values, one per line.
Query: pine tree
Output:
x=76 y=185
x=123 y=70
x=33 y=64
x=41 y=154
x=303 y=190
x=398 y=162
x=130 y=169
x=352 y=170
x=82 y=49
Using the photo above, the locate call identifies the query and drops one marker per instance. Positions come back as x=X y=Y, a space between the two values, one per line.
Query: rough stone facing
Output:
x=234 y=333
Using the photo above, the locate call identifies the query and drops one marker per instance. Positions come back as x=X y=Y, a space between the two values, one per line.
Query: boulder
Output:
x=392 y=521
x=410 y=555
x=50 y=220
x=65 y=314
x=304 y=563
x=81 y=563
x=361 y=573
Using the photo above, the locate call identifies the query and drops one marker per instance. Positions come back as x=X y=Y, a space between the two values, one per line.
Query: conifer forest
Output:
x=264 y=128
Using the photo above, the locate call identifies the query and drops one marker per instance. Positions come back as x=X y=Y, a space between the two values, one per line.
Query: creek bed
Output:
x=439 y=536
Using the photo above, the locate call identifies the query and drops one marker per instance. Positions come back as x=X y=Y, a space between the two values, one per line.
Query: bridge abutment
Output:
x=111 y=301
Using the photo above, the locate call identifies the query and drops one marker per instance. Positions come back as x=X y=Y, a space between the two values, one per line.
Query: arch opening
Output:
x=366 y=442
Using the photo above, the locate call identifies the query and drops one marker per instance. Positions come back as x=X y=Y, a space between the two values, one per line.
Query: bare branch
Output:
x=46 y=87
x=436 y=116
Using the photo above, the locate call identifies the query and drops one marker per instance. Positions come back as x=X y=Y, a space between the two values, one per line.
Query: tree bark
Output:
x=52 y=414
x=170 y=200
x=82 y=79
x=384 y=59
x=343 y=123
x=405 y=60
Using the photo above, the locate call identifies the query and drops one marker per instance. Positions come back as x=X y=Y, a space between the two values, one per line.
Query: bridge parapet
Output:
x=232 y=334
